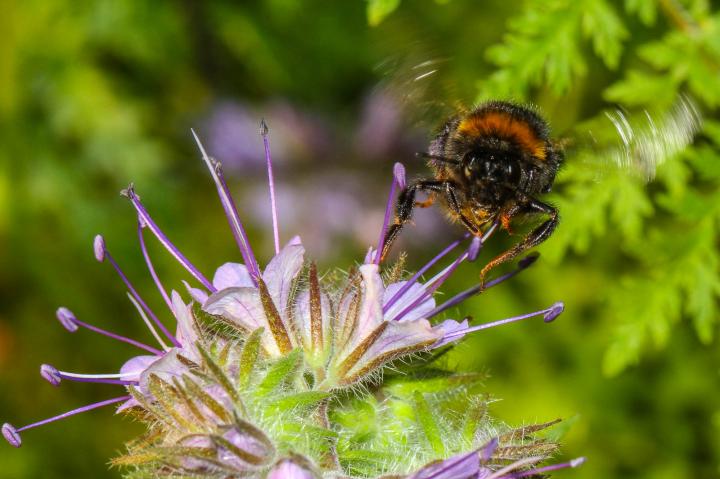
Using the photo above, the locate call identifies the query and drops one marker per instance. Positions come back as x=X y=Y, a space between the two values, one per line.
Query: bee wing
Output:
x=636 y=143
x=421 y=87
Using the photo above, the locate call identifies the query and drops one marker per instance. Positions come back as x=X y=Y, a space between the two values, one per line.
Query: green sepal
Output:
x=426 y=421
x=248 y=358
x=280 y=372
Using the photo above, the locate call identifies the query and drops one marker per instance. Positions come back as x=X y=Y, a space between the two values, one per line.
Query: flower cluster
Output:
x=276 y=371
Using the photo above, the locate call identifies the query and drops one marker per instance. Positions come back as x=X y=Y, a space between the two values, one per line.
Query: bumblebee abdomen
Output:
x=509 y=122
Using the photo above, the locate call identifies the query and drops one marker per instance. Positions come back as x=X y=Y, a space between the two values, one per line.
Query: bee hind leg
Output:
x=534 y=238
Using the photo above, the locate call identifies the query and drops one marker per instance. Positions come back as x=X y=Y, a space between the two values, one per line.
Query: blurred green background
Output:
x=95 y=95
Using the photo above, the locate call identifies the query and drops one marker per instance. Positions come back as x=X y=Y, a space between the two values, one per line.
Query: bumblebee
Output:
x=489 y=167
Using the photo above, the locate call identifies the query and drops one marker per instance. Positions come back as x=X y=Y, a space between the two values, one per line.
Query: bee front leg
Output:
x=534 y=238
x=404 y=208
x=454 y=205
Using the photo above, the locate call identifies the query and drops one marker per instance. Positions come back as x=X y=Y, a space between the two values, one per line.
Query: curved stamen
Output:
x=432 y=285
x=435 y=282
x=548 y=314
x=145 y=218
x=231 y=213
x=71 y=323
x=421 y=272
x=271 y=180
x=150 y=266
x=54 y=376
x=398 y=182
x=150 y=326
x=12 y=434
x=460 y=297
x=541 y=470
x=99 y=245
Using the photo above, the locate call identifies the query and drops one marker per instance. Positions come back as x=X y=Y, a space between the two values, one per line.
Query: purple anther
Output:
x=474 y=249
x=147 y=221
x=528 y=260
x=67 y=319
x=554 y=311
x=50 y=374
x=99 y=248
x=399 y=175
x=71 y=323
x=11 y=435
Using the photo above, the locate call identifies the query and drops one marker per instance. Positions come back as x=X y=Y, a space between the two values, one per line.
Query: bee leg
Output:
x=455 y=207
x=534 y=238
x=404 y=208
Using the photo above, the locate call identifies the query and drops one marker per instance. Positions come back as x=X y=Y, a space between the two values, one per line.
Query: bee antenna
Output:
x=441 y=159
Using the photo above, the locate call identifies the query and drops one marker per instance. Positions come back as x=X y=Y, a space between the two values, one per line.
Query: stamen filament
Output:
x=68 y=375
x=145 y=218
x=398 y=181
x=137 y=299
x=460 y=297
x=231 y=213
x=422 y=271
x=271 y=181
x=11 y=432
x=553 y=467
x=549 y=314
x=501 y=473
x=433 y=285
x=437 y=280
x=150 y=326
x=70 y=322
x=55 y=376
x=150 y=266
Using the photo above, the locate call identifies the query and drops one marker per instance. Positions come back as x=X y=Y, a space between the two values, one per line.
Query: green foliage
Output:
x=377 y=10
x=544 y=46
x=667 y=231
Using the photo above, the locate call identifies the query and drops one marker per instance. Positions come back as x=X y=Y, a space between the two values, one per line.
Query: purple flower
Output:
x=292 y=468
x=346 y=333
x=478 y=465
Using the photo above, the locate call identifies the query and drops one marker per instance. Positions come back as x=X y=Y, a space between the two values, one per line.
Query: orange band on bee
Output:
x=504 y=126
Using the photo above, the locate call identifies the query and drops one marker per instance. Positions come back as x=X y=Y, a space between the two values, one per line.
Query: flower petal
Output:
x=416 y=291
x=186 y=333
x=137 y=365
x=282 y=270
x=370 y=315
x=196 y=294
x=232 y=275
x=447 y=328
x=462 y=466
x=397 y=339
x=289 y=469
x=166 y=368
x=243 y=307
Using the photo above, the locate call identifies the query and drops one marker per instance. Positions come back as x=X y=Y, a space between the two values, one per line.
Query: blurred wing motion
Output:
x=424 y=93
x=639 y=144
